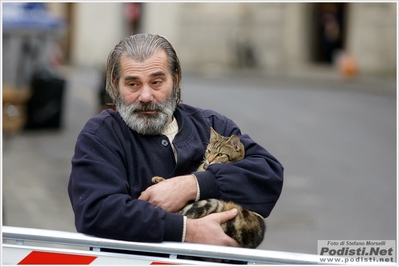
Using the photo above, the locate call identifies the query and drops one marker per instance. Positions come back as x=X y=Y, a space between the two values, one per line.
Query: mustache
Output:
x=139 y=107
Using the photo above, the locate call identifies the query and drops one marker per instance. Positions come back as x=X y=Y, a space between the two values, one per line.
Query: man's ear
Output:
x=115 y=88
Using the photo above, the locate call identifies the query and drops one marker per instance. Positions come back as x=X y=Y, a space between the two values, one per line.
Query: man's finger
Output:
x=144 y=196
x=227 y=215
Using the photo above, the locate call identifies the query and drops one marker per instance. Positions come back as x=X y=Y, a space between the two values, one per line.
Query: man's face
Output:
x=146 y=98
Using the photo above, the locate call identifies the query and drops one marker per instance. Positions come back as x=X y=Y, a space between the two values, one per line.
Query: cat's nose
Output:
x=210 y=159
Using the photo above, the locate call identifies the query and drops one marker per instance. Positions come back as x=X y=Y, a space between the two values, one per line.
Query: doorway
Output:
x=329 y=30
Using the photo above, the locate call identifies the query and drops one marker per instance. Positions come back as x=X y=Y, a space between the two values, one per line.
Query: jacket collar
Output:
x=185 y=128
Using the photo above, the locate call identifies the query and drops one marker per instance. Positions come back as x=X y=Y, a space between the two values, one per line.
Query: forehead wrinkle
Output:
x=153 y=75
x=131 y=78
x=158 y=74
x=152 y=67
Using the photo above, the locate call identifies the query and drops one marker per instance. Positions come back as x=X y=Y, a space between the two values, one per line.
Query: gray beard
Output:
x=147 y=124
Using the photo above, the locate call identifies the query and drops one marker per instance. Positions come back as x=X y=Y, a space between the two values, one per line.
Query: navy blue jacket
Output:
x=112 y=165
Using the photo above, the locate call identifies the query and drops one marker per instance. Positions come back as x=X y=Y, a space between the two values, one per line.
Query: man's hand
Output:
x=171 y=194
x=207 y=230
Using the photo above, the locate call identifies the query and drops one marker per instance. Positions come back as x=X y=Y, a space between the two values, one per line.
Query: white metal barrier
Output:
x=36 y=246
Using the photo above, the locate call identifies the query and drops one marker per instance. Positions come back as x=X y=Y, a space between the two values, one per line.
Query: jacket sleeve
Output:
x=100 y=194
x=254 y=182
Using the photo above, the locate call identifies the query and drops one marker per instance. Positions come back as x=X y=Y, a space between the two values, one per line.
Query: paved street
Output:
x=336 y=140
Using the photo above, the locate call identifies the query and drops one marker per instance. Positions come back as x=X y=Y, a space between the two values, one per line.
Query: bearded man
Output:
x=151 y=133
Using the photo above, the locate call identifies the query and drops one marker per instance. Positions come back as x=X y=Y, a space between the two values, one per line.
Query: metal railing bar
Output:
x=170 y=248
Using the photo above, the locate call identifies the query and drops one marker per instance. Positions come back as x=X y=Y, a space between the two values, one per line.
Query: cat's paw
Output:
x=157 y=179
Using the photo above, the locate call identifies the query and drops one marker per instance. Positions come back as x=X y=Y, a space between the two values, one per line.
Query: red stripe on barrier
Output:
x=162 y=263
x=37 y=257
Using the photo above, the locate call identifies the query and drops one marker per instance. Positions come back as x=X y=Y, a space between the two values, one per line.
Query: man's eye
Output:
x=157 y=83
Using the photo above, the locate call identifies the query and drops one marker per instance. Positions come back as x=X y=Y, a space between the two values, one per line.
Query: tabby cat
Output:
x=248 y=227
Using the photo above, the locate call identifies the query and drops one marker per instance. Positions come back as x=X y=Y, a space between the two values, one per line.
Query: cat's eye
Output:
x=220 y=154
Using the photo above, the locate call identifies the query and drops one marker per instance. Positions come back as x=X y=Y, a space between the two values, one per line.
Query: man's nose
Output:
x=146 y=94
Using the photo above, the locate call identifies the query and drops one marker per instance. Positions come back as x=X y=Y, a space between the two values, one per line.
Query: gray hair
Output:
x=140 y=47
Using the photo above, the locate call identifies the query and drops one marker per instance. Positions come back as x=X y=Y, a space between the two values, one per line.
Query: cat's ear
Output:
x=214 y=135
x=235 y=142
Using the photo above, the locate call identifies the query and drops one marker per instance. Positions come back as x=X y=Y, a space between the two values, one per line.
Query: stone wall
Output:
x=269 y=36
x=372 y=36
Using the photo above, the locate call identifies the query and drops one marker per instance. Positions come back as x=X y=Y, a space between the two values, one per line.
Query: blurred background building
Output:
x=268 y=36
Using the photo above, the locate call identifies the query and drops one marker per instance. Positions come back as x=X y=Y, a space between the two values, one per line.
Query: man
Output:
x=152 y=133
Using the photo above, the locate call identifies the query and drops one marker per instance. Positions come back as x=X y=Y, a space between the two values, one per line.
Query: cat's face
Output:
x=223 y=149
